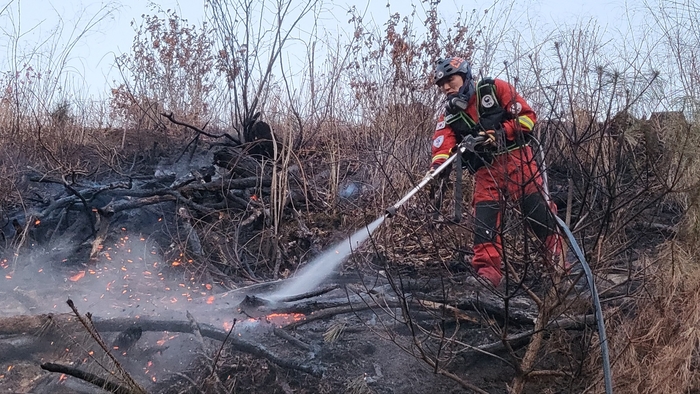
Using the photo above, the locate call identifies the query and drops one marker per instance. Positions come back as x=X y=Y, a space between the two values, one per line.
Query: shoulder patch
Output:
x=437 y=142
x=440 y=125
x=515 y=108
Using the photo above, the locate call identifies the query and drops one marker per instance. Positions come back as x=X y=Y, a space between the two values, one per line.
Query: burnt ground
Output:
x=134 y=277
x=361 y=357
x=156 y=263
x=363 y=351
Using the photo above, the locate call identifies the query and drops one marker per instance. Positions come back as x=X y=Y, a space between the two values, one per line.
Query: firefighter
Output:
x=503 y=167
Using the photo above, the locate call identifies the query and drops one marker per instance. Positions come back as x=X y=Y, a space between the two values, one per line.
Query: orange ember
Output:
x=160 y=342
x=210 y=300
x=284 y=317
x=77 y=276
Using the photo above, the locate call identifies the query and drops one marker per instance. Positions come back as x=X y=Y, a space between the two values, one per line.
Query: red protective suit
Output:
x=513 y=174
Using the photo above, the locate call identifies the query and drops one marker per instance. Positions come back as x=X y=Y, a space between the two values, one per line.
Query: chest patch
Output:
x=487 y=101
x=437 y=142
x=440 y=125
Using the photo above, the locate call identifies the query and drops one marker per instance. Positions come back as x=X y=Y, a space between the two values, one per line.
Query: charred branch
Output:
x=90 y=378
x=39 y=324
x=171 y=117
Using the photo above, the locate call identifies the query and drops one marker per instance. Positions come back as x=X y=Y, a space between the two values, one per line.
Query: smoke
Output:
x=129 y=278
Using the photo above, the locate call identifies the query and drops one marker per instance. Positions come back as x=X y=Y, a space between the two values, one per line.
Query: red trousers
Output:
x=513 y=176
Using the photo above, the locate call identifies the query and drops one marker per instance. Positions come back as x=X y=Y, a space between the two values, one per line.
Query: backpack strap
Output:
x=491 y=113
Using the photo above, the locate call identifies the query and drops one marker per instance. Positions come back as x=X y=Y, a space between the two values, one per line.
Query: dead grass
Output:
x=656 y=351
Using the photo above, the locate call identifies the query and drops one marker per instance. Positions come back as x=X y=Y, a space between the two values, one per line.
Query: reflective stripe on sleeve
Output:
x=440 y=156
x=526 y=122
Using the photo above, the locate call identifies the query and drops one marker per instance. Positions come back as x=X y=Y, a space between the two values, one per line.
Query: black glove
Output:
x=455 y=105
x=442 y=175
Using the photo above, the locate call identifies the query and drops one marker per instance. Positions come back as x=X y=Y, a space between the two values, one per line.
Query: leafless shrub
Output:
x=170 y=68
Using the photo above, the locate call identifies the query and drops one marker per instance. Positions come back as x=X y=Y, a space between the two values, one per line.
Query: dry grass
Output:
x=656 y=350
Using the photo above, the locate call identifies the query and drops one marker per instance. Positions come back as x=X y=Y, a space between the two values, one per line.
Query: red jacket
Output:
x=523 y=120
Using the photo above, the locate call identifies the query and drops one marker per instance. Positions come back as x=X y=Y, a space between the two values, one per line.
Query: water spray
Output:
x=323 y=266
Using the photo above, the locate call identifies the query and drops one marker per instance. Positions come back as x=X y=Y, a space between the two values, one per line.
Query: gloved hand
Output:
x=455 y=105
x=444 y=174
x=494 y=138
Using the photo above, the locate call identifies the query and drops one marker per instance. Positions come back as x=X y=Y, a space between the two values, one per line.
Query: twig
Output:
x=310 y=294
x=90 y=328
x=221 y=348
x=171 y=117
x=113 y=387
x=458 y=313
x=195 y=331
x=198 y=335
x=194 y=384
x=86 y=206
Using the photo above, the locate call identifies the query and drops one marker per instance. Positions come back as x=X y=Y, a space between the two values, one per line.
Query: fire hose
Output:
x=469 y=143
x=607 y=373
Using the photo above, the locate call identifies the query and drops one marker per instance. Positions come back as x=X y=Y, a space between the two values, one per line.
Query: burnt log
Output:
x=260 y=142
x=43 y=324
x=237 y=161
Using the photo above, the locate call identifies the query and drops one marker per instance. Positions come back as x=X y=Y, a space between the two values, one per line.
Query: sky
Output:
x=28 y=24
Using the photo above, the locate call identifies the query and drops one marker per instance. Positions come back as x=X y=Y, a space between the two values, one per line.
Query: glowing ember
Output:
x=62 y=378
x=210 y=300
x=77 y=276
x=280 y=318
x=37 y=222
x=160 y=342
